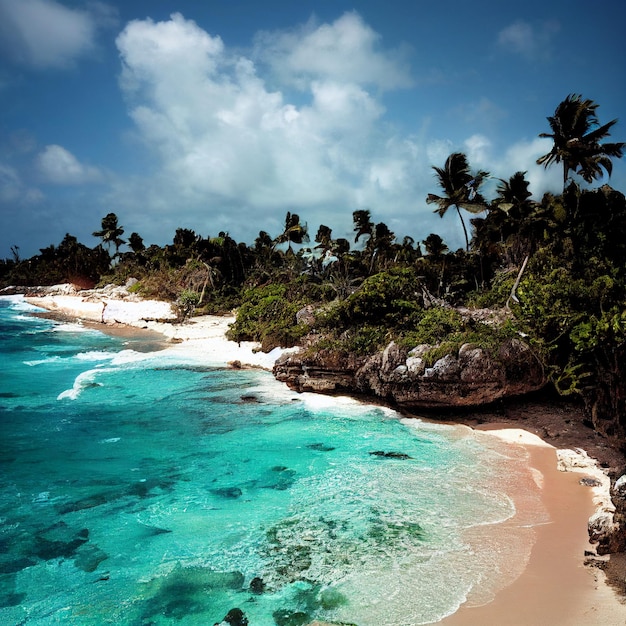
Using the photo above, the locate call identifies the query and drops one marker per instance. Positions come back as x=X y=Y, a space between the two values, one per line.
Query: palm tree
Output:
x=460 y=187
x=380 y=243
x=435 y=246
x=363 y=225
x=294 y=231
x=513 y=195
x=111 y=232
x=324 y=238
x=577 y=133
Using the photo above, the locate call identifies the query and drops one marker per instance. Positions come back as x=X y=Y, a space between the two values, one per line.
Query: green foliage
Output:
x=365 y=340
x=498 y=293
x=447 y=331
x=187 y=302
x=70 y=261
x=392 y=298
x=266 y=315
x=436 y=325
x=572 y=300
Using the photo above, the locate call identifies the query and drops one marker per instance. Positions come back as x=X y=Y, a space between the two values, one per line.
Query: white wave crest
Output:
x=36 y=362
x=126 y=357
x=95 y=355
x=18 y=303
x=82 y=381
x=72 y=327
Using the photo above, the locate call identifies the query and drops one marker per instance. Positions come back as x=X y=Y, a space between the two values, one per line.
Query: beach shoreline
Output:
x=555 y=587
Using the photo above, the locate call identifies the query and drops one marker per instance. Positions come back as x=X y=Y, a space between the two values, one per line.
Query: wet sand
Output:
x=555 y=588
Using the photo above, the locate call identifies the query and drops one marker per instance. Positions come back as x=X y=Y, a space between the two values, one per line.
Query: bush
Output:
x=267 y=316
x=391 y=298
x=187 y=302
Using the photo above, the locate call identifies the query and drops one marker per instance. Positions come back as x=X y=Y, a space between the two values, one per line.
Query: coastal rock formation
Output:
x=471 y=377
x=606 y=527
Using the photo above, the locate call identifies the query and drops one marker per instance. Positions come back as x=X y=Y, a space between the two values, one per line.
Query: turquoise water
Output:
x=139 y=488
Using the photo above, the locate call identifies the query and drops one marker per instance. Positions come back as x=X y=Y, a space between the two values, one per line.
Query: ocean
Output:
x=142 y=487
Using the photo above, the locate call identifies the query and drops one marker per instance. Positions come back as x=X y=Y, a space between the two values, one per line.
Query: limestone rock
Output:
x=306 y=315
x=472 y=377
x=603 y=530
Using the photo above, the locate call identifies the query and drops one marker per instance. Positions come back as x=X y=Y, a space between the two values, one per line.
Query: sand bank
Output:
x=554 y=588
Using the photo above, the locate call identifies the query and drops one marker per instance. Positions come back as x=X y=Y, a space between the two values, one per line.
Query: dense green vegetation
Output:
x=556 y=266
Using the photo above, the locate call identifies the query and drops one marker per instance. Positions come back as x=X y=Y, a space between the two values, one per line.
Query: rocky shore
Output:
x=470 y=378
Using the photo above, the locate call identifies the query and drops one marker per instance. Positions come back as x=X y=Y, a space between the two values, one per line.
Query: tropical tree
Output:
x=380 y=244
x=513 y=195
x=324 y=238
x=435 y=246
x=512 y=225
x=111 y=232
x=577 y=134
x=135 y=242
x=363 y=224
x=294 y=232
x=460 y=188
x=406 y=252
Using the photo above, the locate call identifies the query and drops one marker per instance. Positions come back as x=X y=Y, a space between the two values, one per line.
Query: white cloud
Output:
x=46 y=34
x=10 y=183
x=226 y=140
x=59 y=166
x=347 y=50
x=522 y=156
x=478 y=150
x=235 y=154
x=528 y=40
x=13 y=190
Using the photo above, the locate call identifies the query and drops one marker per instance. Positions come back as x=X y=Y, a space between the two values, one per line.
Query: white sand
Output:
x=206 y=337
x=199 y=335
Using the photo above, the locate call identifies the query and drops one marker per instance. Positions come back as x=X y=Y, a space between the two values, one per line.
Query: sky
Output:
x=222 y=115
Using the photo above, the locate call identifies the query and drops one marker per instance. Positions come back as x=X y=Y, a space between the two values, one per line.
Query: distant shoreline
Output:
x=559 y=551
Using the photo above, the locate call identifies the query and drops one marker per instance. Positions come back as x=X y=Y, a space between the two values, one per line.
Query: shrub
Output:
x=267 y=316
x=187 y=302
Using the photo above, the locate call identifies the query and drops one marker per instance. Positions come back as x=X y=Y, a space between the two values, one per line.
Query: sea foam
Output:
x=82 y=382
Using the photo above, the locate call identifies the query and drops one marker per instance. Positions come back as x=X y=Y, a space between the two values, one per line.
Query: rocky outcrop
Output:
x=470 y=377
x=606 y=526
x=64 y=289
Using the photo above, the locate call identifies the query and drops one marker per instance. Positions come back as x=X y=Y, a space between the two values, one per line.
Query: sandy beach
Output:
x=555 y=588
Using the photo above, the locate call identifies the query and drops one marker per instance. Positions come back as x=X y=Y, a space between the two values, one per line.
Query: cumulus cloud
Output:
x=522 y=156
x=478 y=150
x=527 y=40
x=46 y=34
x=59 y=166
x=226 y=139
x=237 y=146
x=346 y=50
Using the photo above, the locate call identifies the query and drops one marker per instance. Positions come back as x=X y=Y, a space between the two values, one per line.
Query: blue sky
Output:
x=224 y=115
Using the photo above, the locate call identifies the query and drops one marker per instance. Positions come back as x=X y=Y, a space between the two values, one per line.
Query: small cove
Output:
x=144 y=488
